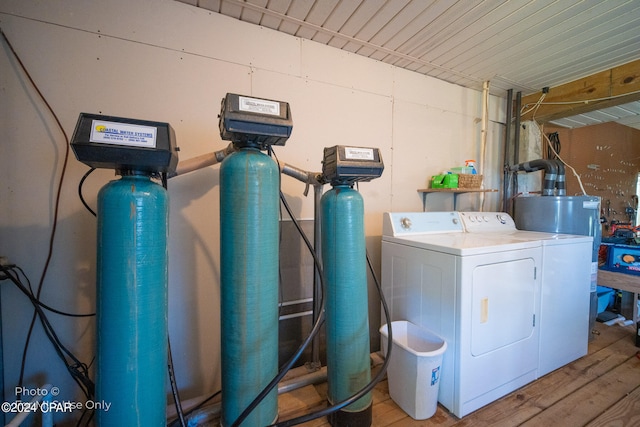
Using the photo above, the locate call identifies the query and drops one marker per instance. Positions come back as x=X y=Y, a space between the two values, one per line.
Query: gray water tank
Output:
x=566 y=215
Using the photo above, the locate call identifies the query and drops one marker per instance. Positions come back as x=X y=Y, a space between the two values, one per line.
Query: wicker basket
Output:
x=466 y=180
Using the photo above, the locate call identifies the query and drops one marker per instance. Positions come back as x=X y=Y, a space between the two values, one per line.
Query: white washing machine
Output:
x=512 y=305
x=565 y=286
x=481 y=295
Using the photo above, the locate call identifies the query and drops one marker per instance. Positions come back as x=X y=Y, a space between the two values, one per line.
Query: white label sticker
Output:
x=353 y=153
x=261 y=106
x=123 y=134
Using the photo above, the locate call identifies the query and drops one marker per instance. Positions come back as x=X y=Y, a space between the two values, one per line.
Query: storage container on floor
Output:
x=605 y=298
x=414 y=369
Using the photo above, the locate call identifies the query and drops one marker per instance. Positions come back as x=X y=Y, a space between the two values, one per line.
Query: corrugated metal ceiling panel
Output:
x=625 y=114
x=515 y=44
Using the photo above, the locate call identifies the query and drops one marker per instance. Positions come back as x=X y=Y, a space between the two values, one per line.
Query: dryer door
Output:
x=503 y=307
x=499 y=304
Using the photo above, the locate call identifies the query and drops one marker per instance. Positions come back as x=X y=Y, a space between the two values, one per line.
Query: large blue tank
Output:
x=347 y=316
x=131 y=362
x=249 y=259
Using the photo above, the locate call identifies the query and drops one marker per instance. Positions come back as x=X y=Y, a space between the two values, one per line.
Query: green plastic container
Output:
x=449 y=180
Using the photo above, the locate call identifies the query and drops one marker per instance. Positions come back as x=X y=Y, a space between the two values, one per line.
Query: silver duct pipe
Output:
x=561 y=188
x=551 y=172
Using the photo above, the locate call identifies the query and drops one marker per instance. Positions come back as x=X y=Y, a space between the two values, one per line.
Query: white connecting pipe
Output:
x=485 y=121
x=483 y=133
x=203 y=161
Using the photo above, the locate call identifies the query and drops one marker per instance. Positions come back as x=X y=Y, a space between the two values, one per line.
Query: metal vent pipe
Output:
x=550 y=176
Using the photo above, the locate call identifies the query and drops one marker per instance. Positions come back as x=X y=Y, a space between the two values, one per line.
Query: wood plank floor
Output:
x=599 y=389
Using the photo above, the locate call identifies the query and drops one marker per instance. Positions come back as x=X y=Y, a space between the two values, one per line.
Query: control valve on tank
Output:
x=348 y=165
x=125 y=144
x=249 y=121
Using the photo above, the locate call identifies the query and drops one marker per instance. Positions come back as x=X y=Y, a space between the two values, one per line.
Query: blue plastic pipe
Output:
x=131 y=362
x=347 y=315
x=249 y=232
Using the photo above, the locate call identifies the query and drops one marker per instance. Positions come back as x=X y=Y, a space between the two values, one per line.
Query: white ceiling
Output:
x=522 y=45
x=625 y=114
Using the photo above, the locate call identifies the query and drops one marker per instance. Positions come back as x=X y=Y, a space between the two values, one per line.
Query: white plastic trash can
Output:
x=414 y=369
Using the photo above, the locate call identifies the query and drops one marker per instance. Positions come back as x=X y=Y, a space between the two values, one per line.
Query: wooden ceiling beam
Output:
x=608 y=88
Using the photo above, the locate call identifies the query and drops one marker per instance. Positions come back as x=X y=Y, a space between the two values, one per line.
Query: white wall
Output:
x=167 y=61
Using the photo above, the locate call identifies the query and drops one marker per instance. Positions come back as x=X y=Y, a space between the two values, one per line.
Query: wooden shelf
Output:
x=623 y=282
x=454 y=191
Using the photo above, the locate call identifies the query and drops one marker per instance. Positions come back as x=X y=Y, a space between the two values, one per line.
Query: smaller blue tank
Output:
x=347 y=312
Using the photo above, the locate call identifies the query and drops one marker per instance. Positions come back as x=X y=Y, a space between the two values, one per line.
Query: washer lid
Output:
x=550 y=238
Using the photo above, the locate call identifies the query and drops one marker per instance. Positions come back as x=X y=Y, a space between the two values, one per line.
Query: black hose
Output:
x=554 y=150
x=170 y=370
x=314 y=331
x=174 y=386
x=84 y=177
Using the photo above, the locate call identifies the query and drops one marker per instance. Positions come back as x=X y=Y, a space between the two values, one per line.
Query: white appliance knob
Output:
x=502 y=219
x=405 y=223
x=486 y=218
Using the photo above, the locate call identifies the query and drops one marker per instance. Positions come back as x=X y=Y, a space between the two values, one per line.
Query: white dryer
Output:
x=565 y=286
x=481 y=295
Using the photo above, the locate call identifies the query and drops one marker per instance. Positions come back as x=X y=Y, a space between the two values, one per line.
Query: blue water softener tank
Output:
x=578 y=215
x=131 y=279
x=249 y=257
x=249 y=284
x=347 y=317
x=131 y=362
x=344 y=261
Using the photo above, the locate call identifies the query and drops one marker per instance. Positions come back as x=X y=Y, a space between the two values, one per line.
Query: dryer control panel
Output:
x=416 y=223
